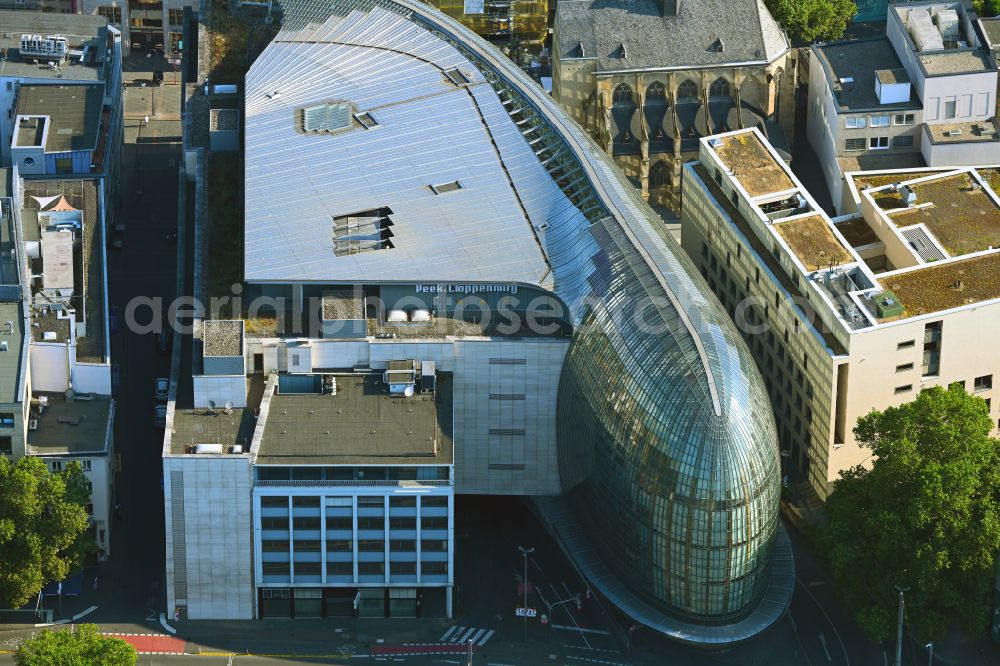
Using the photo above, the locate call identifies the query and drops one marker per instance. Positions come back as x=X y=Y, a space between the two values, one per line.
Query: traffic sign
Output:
x=525 y=612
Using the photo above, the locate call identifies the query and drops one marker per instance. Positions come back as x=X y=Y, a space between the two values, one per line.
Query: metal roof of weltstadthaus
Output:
x=430 y=132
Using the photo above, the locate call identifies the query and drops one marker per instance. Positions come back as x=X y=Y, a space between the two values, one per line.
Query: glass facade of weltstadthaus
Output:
x=679 y=501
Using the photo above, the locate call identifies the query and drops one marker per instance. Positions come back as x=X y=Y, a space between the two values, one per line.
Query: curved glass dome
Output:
x=679 y=501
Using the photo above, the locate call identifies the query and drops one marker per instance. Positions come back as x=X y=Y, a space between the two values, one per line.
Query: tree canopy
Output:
x=43 y=526
x=83 y=647
x=808 y=21
x=926 y=516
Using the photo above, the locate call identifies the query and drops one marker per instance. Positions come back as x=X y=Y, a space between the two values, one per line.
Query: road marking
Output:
x=582 y=630
x=447 y=634
x=822 y=610
x=822 y=640
x=817 y=583
x=592 y=649
x=465 y=636
x=163 y=623
x=488 y=636
x=596 y=661
x=496 y=663
x=475 y=637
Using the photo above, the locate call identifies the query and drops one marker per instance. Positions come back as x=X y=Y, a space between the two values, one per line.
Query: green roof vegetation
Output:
x=857 y=232
x=961 y=215
x=753 y=165
x=943 y=286
x=813 y=242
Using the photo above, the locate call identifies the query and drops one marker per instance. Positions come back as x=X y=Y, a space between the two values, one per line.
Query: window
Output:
x=439 y=501
x=622 y=95
x=856 y=122
x=903 y=119
x=339 y=546
x=932 y=349
x=958 y=385
x=85 y=464
x=90 y=509
x=434 y=568
x=275 y=568
x=949 y=109
x=371 y=523
x=55 y=465
x=659 y=175
x=371 y=545
x=854 y=144
x=719 y=88
x=307 y=568
x=904 y=141
x=339 y=569
x=307 y=502
x=274 y=523
x=371 y=569
x=406 y=501
x=339 y=524
x=271 y=502
x=176 y=17
x=434 y=545
x=907 y=344
x=371 y=501
x=434 y=523
x=880 y=121
x=656 y=92
x=274 y=545
x=904 y=367
x=112 y=14
x=403 y=568
x=400 y=545
x=6 y=445
x=984 y=383
x=306 y=523
x=687 y=89
x=276 y=593
x=6 y=420
x=878 y=143
x=306 y=546
x=904 y=389
x=403 y=523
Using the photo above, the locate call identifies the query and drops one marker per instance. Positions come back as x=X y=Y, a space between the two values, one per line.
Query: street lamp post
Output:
x=524 y=585
x=899 y=626
x=930 y=653
x=468 y=658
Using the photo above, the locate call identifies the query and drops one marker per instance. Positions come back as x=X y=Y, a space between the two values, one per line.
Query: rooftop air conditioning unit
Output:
x=954 y=132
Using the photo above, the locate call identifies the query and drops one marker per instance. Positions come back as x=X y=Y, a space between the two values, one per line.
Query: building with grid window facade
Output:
x=850 y=314
x=472 y=300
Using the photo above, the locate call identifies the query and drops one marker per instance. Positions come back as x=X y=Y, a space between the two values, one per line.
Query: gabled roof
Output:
x=692 y=38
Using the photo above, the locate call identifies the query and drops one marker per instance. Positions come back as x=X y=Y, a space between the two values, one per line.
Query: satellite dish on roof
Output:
x=408 y=391
x=229 y=407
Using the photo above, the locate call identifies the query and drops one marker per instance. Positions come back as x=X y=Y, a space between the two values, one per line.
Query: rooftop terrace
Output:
x=360 y=424
x=813 y=242
x=753 y=164
x=81 y=426
x=938 y=287
x=961 y=215
x=977 y=131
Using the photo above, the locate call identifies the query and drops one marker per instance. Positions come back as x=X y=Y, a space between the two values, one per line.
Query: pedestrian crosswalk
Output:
x=462 y=635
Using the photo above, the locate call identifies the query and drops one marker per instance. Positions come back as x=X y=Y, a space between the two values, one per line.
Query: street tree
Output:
x=925 y=516
x=807 y=21
x=83 y=647
x=43 y=527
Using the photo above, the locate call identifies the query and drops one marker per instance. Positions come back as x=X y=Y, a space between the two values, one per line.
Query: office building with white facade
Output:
x=923 y=95
x=855 y=313
x=460 y=277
